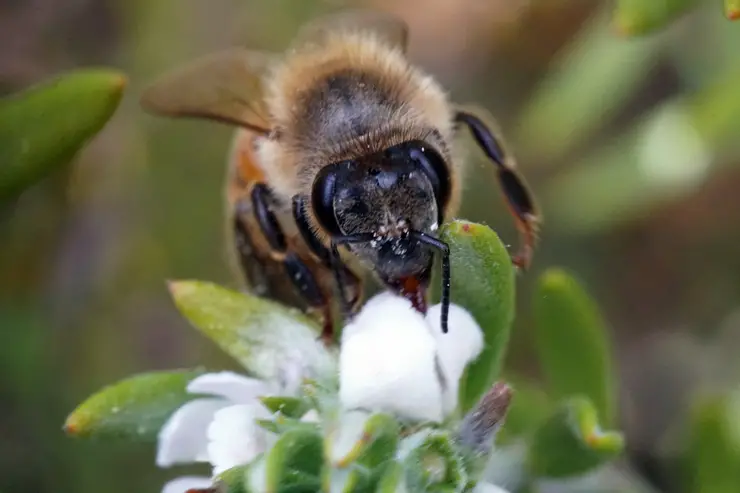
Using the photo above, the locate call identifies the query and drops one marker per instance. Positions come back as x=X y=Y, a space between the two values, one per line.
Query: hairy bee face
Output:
x=387 y=194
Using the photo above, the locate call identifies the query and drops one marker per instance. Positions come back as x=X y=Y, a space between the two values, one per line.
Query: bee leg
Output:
x=296 y=270
x=306 y=283
x=518 y=197
x=329 y=256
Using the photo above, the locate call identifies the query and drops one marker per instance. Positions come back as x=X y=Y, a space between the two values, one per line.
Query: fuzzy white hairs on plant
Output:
x=395 y=359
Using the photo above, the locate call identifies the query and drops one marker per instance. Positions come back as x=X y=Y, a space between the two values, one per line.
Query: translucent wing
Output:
x=387 y=26
x=225 y=87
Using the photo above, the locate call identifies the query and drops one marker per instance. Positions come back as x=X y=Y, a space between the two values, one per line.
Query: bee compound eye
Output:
x=322 y=200
x=434 y=166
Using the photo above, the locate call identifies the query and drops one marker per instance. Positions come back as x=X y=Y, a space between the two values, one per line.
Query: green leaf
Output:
x=732 y=9
x=262 y=335
x=432 y=462
x=349 y=480
x=291 y=407
x=594 y=63
x=360 y=437
x=44 y=126
x=713 y=450
x=232 y=480
x=483 y=283
x=571 y=442
x=134 y=408
x=392 y=480
x=666 y=156
x=572 y=342
x=293 y=464
x=635 y=17
x=281 y=424
x=359 y=449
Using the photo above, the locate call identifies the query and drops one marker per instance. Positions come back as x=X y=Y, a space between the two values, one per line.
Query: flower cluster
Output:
x=392 y=359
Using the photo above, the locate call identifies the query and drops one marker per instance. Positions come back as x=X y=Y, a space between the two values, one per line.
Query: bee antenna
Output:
x=444 y=249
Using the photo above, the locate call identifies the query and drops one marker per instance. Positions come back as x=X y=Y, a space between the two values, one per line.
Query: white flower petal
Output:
x=185 y=483
x=183 y=438
x=387 y=361
x=488 y=488
x=232 y=386
x=234 y=438
x=311 y=416
x=461 y=345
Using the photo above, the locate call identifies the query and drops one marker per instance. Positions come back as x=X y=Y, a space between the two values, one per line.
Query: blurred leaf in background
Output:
x=43 y=127
x=713 y=447
x=634 y=17
x=572 y=343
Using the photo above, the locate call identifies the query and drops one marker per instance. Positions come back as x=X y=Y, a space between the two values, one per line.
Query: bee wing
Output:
x=225 y=87
x=388 y=27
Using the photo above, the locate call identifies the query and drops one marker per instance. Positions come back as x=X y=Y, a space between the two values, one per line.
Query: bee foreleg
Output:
x=330 y=257
x=518 y=197
x=296 y=270
x=303 y=280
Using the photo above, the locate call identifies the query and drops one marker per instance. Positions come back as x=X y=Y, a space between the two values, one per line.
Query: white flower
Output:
x=220 y=430
x=394 y=359
x=187 y=435
x=488 y=488
x=185 y=483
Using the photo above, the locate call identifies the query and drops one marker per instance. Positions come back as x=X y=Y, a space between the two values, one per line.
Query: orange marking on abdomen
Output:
x=249 y=170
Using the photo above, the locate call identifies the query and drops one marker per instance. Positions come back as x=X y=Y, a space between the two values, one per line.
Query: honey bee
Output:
x=345 y=162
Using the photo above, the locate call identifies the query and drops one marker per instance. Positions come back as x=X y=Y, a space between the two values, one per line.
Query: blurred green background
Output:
x=628 y=132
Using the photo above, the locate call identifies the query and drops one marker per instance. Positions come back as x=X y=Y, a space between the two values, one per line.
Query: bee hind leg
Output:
x=518 y=197
x=295 y=269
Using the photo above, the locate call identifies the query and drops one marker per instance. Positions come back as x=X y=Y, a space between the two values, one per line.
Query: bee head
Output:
x=386 y=196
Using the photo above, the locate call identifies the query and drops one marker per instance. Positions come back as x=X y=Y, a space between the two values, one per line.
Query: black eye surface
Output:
x=433 y=165
x=322 y=199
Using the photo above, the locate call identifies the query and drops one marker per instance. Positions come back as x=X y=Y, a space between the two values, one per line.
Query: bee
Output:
x=346 y=161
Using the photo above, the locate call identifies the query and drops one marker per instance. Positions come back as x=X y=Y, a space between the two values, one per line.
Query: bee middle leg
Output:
x=518 y=197
x=296 y=270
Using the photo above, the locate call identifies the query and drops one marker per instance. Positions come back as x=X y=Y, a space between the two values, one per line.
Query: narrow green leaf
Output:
x=359 y=447
x=713 y=450
x=636 y=17
x=392 y=480
x=360 y=437
x=44 y=126
x=571 y=442
x=732 y=9
x=134 y=408
x=290 y=407
x=232 y=480
x=294 y=462
x=293 y=481
x=281 y=424
x=347 y=480
x=594 y=63
x=267 y=338
x=432 y=462
x=483 y=283
x=572 y=342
